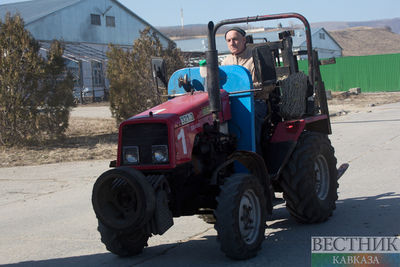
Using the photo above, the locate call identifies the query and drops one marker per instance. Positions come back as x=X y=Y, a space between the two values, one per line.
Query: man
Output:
x=240 y=53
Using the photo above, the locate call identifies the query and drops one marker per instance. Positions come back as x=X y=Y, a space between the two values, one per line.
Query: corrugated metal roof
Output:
x=33 y=10
x=78 y=51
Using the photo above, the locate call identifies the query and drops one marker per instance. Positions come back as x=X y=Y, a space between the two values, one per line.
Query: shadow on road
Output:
x=287 y=242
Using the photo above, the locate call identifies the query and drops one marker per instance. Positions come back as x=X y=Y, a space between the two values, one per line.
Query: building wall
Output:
x=322 y=52
x=73 y=24
x=324 y=44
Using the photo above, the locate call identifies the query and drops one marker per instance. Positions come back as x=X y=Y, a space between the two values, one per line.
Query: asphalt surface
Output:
x=46 y=217
x=93 y=112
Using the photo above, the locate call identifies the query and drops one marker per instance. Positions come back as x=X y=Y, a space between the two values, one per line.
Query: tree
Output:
x=34 y=95
x=56 y=98
x=132 y=89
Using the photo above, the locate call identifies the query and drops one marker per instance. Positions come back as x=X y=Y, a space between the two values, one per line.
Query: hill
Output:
x=390 y=24
x=191 y=30
x=201 y=29
x=361 y=41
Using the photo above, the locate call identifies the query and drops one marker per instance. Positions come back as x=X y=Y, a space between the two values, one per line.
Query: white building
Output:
x=321 y=40
x=86 y=27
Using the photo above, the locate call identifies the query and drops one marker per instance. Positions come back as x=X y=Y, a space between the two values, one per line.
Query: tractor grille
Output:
x=145 y=136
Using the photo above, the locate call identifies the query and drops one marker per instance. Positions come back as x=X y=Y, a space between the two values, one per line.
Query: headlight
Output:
x=131 y=155
x=159 y=154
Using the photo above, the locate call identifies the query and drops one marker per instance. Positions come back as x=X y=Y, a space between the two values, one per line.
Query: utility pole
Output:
x=182 y=18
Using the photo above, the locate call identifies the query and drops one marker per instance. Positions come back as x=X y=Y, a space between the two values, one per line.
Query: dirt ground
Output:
x=93 y=134
x=343 y=103
x=87 y=138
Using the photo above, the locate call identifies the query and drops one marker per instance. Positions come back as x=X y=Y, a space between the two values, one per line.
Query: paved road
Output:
x=97 y=112
x=46 y=217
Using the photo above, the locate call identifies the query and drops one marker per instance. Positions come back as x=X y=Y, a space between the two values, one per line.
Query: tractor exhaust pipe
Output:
x=213 y=74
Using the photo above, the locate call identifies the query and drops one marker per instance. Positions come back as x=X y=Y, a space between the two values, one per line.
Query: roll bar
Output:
x=212 y=53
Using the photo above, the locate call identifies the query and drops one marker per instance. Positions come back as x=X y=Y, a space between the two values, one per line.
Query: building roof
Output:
x=31 y=11
x=78 y=52
x=300 y=36
x=34 y=10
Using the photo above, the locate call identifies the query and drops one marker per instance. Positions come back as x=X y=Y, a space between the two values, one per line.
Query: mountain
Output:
x=390 y=24
x=201 y=29
x=192 y=30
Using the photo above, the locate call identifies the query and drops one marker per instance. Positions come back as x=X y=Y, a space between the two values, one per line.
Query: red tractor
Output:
x=208 y=151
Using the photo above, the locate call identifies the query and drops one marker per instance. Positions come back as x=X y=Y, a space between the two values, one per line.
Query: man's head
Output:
x=236 y=40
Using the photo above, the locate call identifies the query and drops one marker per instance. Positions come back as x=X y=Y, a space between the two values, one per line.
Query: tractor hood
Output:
x=183 y=109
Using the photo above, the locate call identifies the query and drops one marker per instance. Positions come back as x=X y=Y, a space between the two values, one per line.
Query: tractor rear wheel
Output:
x=309 y=180
x=240 y=216
x=123 y=244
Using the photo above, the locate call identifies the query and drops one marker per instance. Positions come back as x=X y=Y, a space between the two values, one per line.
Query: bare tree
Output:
x=129 y=72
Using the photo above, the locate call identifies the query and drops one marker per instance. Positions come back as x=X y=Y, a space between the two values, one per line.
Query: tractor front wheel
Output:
x=309 y=181
x=240 y=216
x=123 y=244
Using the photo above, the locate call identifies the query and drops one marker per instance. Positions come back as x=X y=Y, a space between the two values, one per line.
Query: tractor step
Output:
x=342 y=169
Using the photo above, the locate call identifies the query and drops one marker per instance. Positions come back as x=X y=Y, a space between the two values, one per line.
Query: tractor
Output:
x=207 y=151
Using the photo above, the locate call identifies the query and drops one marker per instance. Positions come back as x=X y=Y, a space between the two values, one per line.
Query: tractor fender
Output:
x=254 y=163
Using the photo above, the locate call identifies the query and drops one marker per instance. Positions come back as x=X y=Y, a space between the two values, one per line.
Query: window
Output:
x=75 y=70
x=110 y=21
x=322 y=35
x=97 y=74
x=95 y=19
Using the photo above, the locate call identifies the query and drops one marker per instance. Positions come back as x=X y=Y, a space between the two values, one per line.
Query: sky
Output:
x=168 y=12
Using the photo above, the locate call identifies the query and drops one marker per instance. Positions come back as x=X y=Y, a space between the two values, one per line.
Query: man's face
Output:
x=236 y=42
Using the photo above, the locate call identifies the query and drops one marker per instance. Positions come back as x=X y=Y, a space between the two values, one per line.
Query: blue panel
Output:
x=242 y=122
x=233 y=78
x=193 y=76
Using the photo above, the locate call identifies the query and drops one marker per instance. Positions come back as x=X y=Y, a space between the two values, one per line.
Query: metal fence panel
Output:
x=377 y=73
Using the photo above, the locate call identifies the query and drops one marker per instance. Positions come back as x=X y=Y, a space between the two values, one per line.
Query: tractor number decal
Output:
x=181 y=136
x=185 y=119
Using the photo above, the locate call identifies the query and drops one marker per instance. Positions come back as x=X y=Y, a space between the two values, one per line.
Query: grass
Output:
x=86 y=139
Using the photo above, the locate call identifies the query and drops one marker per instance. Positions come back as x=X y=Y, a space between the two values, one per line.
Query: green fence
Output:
x=377 y=73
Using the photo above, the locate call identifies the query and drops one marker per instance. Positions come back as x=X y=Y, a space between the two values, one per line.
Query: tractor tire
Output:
x=123 y=244
x=123 y=199
x=240 y=216
x=309 y=180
